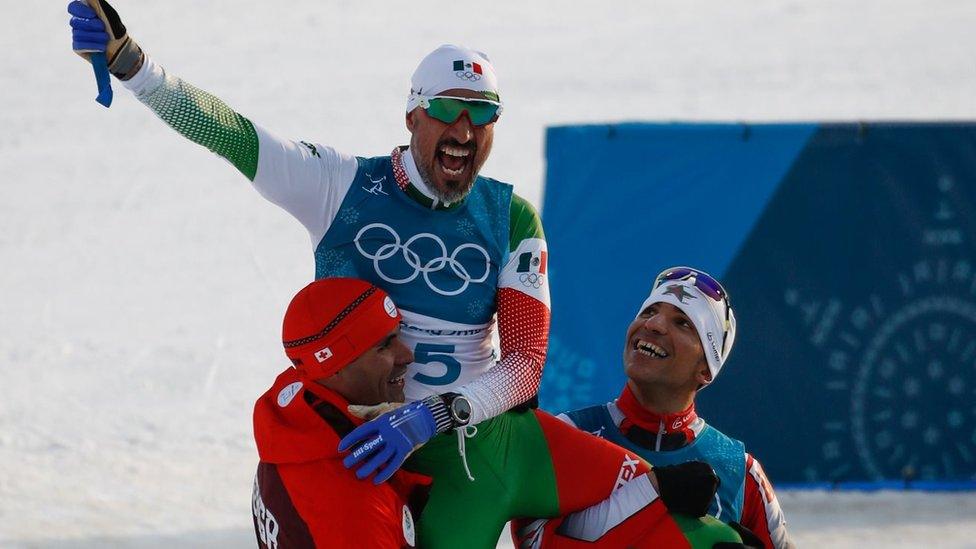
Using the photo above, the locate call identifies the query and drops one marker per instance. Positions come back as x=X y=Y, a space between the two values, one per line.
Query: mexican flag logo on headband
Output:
x=460 y=65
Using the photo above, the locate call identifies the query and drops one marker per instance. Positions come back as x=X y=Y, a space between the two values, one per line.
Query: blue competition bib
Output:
x=439 y=263
x=726 y=456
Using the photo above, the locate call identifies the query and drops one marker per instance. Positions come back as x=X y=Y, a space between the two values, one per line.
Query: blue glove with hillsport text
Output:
x=385 y=442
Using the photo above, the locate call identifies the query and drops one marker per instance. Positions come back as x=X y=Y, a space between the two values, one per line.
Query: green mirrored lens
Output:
x=448 y=110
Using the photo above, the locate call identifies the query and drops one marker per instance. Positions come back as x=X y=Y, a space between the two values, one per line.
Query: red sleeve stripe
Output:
x=753 y=508
x=761 y=512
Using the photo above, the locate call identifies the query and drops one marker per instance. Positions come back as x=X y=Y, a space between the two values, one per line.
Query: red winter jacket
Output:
x=303 y=495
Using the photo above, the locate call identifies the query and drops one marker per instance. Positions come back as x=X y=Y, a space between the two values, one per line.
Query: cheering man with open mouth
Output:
x=460 y=255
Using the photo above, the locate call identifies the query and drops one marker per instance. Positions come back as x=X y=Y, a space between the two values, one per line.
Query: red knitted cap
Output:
x=332 y=321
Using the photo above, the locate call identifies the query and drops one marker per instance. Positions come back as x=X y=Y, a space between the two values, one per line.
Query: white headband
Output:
x=452 y=67
x=705 y=313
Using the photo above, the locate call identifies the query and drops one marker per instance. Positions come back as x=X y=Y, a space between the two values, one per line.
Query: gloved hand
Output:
x=96 y=27
x=687 y=488
x=386 y=442
x=87 y=30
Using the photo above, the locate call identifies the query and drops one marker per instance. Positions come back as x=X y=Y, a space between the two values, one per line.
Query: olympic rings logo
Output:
x=532 y=279
x=425 y=267
x=468 y=75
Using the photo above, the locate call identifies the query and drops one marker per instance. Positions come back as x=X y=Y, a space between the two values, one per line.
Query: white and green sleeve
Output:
x=308 y=180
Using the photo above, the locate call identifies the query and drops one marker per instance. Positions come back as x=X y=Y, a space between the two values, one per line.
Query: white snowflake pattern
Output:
x=477 y=307
x=332 y=263
x=465 y=227
x=349 y=216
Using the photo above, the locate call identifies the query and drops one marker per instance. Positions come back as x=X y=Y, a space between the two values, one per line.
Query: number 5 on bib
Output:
x=427 y=353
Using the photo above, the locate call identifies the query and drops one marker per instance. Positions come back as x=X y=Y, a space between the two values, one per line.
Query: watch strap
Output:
x=442 y=416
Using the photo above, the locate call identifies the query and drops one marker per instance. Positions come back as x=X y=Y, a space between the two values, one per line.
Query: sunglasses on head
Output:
x=703 y=281
x=706 y=284
x=449 y=109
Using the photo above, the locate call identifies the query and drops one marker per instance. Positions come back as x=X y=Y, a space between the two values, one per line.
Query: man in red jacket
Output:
x=342 y=336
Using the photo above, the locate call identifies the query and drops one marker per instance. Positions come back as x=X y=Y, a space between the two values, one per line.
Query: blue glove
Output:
x=87 y=30
x=90 y=40
x=388 y=440
x=98 y=35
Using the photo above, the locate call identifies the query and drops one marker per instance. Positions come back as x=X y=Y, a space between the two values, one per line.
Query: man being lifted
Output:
x=460 y=254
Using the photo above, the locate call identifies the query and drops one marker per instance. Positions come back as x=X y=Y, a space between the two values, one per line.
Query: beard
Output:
x=455 y=190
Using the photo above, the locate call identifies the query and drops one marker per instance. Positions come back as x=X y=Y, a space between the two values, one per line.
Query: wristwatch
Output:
x=459 y=408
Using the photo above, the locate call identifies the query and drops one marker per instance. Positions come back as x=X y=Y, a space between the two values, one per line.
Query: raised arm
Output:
x=197 y=116
x=307 y=180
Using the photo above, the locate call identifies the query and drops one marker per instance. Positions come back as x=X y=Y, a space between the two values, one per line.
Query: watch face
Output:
x=461 y=409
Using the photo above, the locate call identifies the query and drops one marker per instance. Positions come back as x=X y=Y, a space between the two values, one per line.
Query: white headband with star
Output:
x=705 y=313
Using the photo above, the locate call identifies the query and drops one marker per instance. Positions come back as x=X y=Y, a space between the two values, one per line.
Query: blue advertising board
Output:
x=849 y=251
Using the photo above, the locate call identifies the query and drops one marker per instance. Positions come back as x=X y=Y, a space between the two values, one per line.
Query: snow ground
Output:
x=143 y=282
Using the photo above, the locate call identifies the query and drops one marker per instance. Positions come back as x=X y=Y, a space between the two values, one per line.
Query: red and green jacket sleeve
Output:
x=523 y=319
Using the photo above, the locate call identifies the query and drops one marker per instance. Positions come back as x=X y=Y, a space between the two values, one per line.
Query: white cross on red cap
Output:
x=323 y=355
